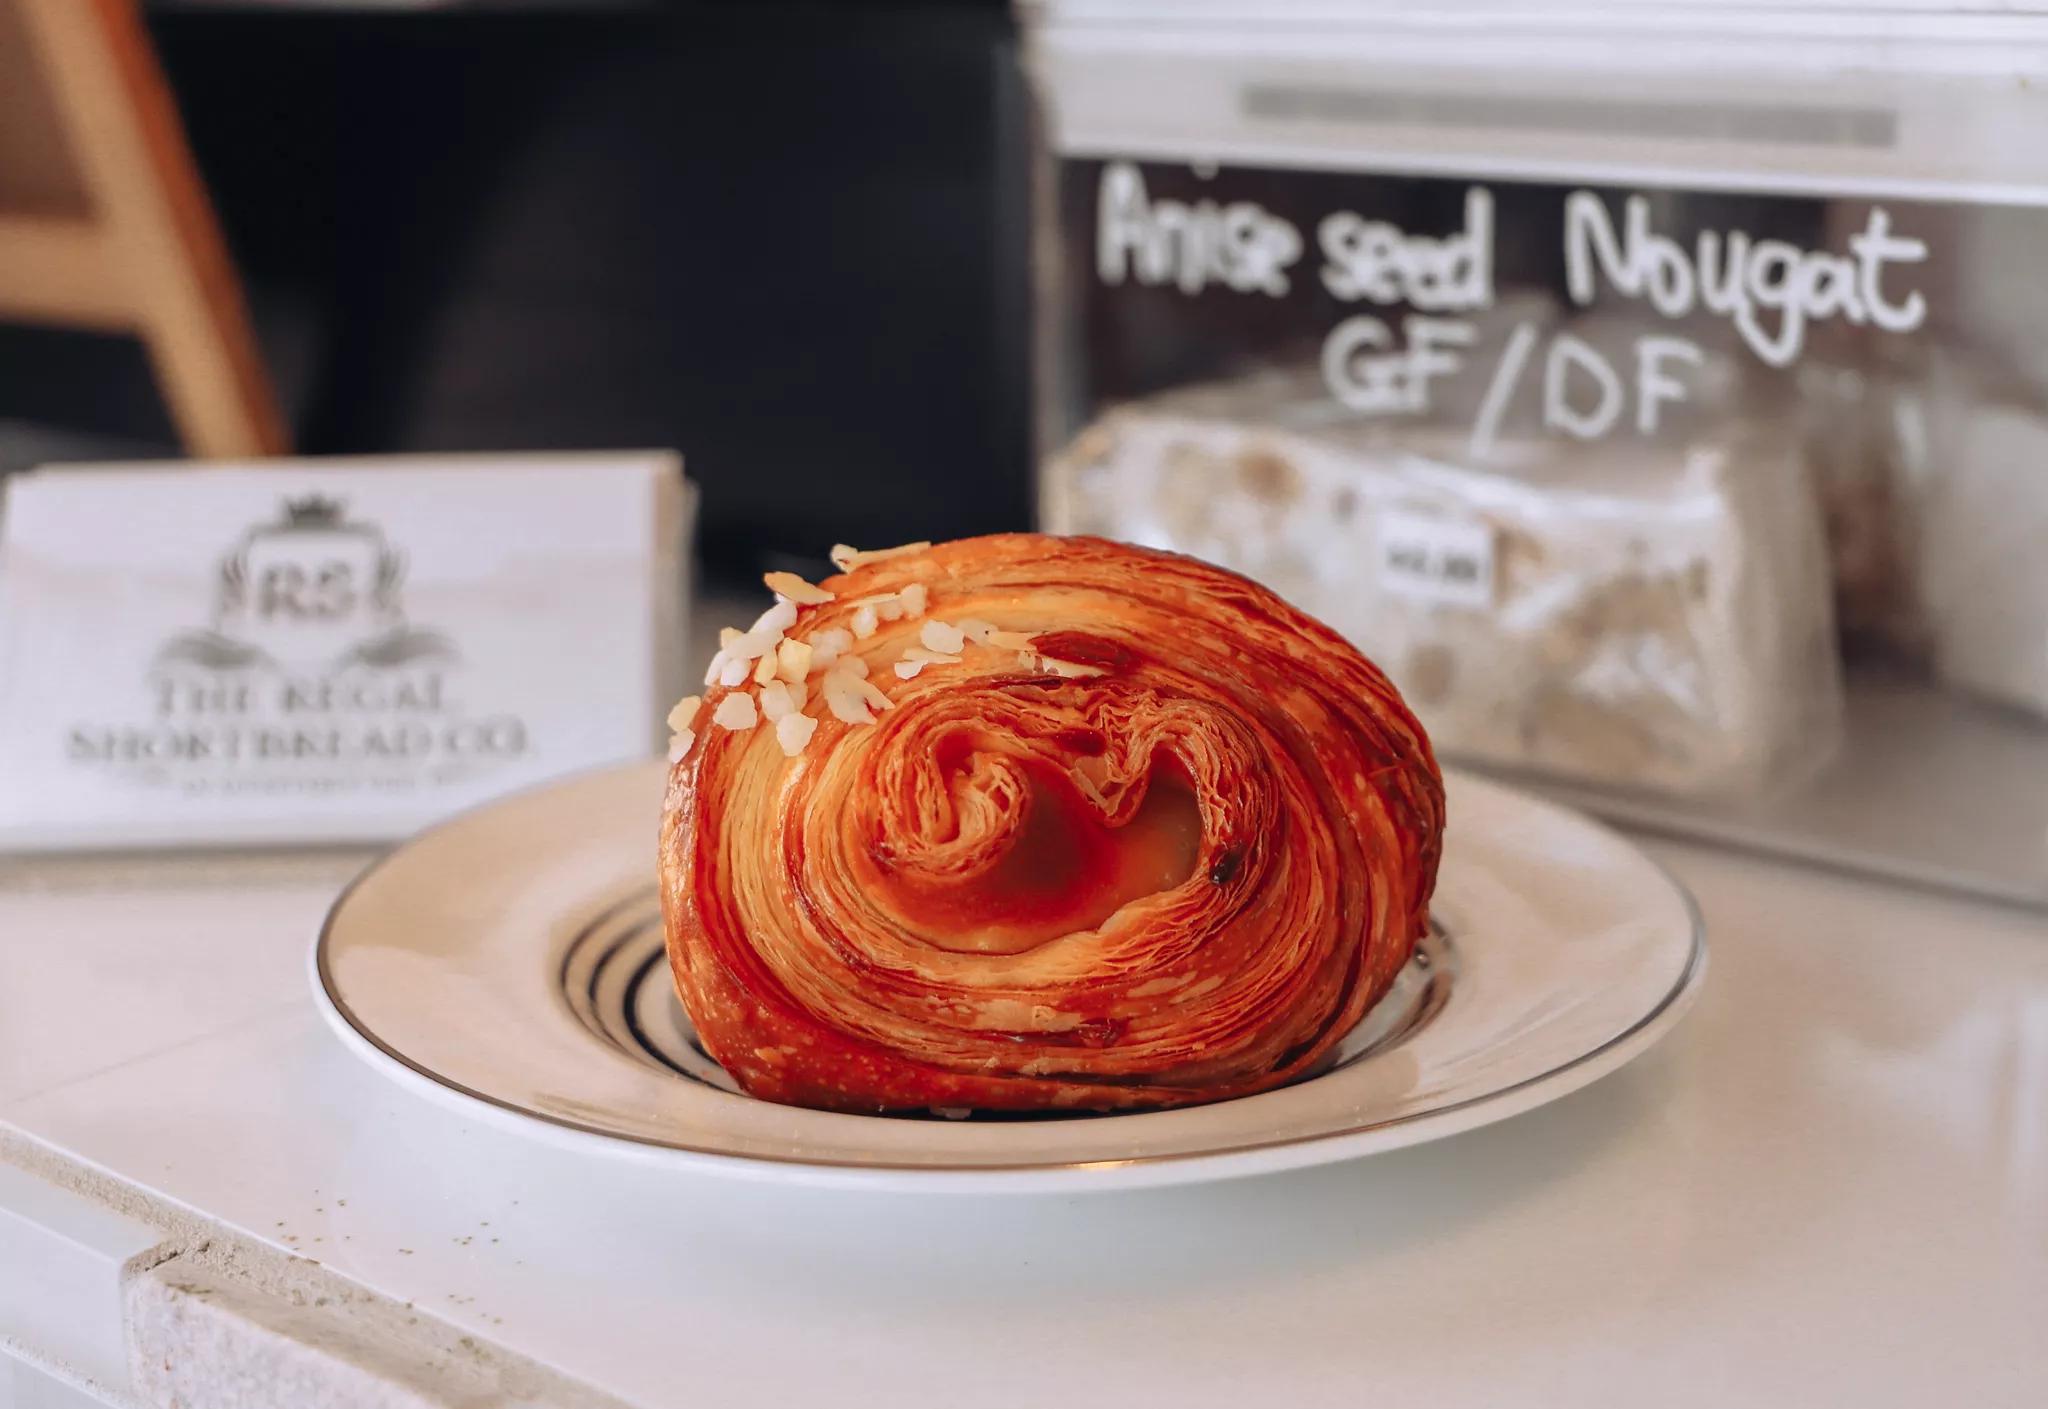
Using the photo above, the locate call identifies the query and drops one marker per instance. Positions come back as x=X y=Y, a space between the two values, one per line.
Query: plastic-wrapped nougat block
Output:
x=1626 y=613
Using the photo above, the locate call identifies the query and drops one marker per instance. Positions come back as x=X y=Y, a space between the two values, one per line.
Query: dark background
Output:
x=787 y=239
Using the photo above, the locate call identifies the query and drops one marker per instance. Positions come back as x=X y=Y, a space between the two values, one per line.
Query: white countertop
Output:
x=1830 y=1186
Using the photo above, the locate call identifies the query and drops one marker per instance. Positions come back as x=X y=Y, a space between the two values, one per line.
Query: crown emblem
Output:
x=313 y=511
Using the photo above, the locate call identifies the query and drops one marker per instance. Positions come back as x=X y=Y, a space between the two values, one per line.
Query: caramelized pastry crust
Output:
x=1126 y=830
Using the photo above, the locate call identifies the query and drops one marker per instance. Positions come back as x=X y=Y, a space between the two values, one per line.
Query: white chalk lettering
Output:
x=1654 y=385
x=1567 y=352
x=1770 y=290
x=1240 y=245
x=1367 y=373
x=1373 y=261
x=1876 y=247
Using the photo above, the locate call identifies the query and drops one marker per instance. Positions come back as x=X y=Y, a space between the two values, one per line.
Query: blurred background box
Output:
x=322 y=651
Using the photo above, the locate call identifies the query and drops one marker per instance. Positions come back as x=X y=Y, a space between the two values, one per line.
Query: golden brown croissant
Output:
x=1078 y=826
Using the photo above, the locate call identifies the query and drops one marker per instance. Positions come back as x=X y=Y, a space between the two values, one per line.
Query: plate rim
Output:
x=1224 y=1161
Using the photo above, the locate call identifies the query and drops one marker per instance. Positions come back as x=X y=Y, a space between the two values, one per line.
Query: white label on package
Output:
x=326 y=650
x=1445 y=562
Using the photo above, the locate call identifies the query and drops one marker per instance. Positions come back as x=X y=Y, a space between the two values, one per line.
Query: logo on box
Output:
x=309 y=588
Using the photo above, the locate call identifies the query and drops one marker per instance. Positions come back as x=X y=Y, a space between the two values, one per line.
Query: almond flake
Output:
x=941 y=636
x=792 y=660
x=1072 y=670
x=976 y=630
x=916 y=658
x=735 y=672
x=776 y=620
x=776 y=701
x=793 y=731
x=735 y=712
x=1010 y=640
x=828 y=645
x=679 y=744
x=716 y=668
x=894 y=606
x=844 y=700
x=764 y=669
x=686 y=710
x=864 y=621
x=788 y=584
x=726 y=636
x=752 y=645
x=852 y=665
x=765 y=634
x=873 y=694
x=847 y=558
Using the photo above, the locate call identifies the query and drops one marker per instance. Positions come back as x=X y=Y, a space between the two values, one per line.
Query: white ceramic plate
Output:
x=509 y=964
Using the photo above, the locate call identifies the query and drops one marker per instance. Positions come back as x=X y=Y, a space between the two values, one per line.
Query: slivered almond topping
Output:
x=828 y=645
x=916 y=658
x=776 y=700
x=788 y=584
x=941 y=636
x=776 y=620
x=846 y=558
x=780 y=665
x=735 y=712
x=764 y=635
x=844 y=700
x=872 y=694
x=793 y=660
x=793 y=731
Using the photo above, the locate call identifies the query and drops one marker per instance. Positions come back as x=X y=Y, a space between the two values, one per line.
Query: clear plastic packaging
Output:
x=1651 y=619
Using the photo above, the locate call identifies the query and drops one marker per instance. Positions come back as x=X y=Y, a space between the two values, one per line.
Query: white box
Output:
x=327 y=650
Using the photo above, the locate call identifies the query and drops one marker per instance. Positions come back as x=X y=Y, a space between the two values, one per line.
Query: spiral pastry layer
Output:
x=1126 y=830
